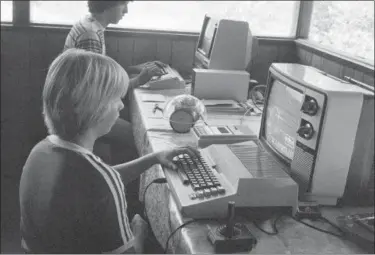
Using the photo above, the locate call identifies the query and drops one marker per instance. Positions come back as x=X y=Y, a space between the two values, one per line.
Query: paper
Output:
x=219 y=102
x=153 y=98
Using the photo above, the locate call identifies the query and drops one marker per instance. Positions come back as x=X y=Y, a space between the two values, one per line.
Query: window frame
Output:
x=21 y=18
x=303 y=29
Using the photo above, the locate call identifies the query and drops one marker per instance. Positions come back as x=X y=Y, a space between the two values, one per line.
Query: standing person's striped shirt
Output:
x=72 y=202
x=87 y=34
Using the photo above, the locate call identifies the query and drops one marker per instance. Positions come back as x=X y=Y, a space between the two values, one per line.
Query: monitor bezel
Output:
x=262 y=136
x=199 y=49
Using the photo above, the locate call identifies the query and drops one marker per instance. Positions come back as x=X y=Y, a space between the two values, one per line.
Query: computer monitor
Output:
x=322 y=129
x=223 y=44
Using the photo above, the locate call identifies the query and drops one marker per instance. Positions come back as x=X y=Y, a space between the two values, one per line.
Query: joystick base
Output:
x=241 y=241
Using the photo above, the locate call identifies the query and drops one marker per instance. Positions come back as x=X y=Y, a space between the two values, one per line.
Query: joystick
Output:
x=231 y=237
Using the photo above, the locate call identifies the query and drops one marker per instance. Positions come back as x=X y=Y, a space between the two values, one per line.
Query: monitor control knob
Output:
x=310 y=106
x=306 y=131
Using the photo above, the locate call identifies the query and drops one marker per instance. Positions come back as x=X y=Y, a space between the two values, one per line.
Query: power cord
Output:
x=157 y=181
x=252 y=95
x=180 y=227
x=274 y=228
x=313 y=217
x=322 y=230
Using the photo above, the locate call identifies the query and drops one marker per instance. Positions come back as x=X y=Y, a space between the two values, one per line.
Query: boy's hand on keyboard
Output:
x=165 y=158
x=155 y=64
x=149 y=71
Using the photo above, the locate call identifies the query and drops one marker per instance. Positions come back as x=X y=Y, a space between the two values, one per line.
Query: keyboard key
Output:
x=196 y=187
x=214 y=191
x=193 y=196
x=210 y=184
x=184 y=178
x=200 y=194
x=221 y=190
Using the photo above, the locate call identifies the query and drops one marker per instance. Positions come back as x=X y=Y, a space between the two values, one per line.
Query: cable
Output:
x=274 y=228
x=322 y=230
x=180 y=227
x=173 y=232
x=157 y=181
x=252 y=95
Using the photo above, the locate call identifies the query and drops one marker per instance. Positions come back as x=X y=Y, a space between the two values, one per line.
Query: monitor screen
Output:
x=282 y=118
x=208 y=34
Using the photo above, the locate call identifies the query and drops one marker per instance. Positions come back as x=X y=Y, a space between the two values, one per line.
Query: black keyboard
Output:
x=196 y=172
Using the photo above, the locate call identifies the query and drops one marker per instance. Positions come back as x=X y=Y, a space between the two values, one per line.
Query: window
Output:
x=57 y=12
x=347 y=26
x=266 y=18
x=7 y=11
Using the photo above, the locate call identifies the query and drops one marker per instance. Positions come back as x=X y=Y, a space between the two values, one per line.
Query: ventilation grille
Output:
x=301 y=167
x=258 y=162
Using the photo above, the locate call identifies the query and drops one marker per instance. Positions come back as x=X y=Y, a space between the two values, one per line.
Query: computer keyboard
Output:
x=196 y=172
x=242 y=172
x=170 y=79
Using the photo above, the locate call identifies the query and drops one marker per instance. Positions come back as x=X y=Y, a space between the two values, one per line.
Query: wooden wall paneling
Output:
x=369 y=79
x=183 y=56
x=38 y=59
x=267 y=54
x=301 y=53
x=164 y=50
x=316 y=61
x=308 y=57
x=14 y=50
x=331 y=67
x=144 y=50
x=125 y=51
x=55 y=41
x=111 y=44
x=39 y=63
x=346 y=71
x=15 y=127
x=15 y=87
x=286 y=53
x=9 y=84
x=358 y=75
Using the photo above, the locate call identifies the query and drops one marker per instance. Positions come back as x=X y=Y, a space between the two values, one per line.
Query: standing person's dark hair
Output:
x=101 y=6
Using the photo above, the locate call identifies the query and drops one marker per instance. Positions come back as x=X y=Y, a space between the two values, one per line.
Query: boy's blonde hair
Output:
x=79 y=87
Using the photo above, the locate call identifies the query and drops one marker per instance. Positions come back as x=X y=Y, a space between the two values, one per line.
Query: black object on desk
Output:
x=359 y=228
x=231 y=237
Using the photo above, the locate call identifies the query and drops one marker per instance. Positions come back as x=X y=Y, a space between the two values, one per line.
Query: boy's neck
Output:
x=101 y=18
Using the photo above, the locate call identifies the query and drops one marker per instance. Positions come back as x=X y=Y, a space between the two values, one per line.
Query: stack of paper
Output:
x=223 y=106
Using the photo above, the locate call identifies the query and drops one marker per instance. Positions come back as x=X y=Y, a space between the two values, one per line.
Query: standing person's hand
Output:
x=148 y=72
x=165 y=158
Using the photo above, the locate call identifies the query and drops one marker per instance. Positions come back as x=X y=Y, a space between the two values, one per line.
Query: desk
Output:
x=153 y=133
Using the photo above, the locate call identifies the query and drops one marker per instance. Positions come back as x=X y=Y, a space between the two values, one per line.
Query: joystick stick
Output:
x=231 y=237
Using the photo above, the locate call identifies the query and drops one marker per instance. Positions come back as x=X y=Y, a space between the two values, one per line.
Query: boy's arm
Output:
x=89 y=41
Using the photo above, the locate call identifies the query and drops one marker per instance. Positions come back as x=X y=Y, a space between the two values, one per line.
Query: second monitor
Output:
x=223 y=44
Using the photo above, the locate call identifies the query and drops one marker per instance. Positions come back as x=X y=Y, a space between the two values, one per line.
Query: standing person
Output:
x=88 y=34
x=70 y=200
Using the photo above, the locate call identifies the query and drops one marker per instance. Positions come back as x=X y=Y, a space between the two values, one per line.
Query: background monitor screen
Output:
x=208 y=36
x=282 y=118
